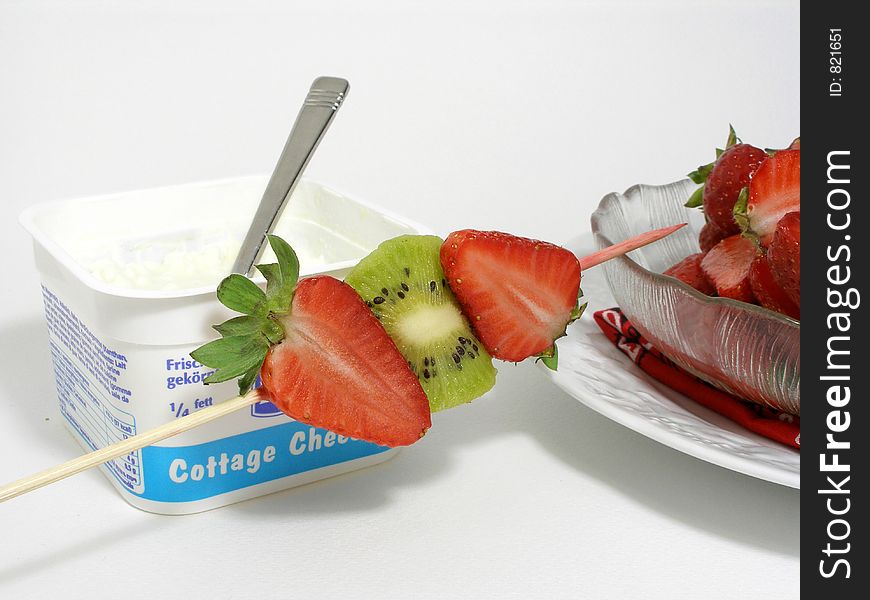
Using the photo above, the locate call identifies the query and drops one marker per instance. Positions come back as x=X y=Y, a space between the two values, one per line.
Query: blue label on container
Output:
x=183 y=474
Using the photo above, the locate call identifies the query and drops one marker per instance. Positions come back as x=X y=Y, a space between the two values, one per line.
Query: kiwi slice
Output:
x=403 y=283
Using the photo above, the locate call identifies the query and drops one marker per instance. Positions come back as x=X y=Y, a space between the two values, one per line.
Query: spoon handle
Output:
x=323 y=101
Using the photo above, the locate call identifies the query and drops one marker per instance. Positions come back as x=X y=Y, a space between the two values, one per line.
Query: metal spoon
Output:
x=323 y=101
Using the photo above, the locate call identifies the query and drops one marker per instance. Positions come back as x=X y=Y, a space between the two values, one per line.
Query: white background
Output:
x=507 y=115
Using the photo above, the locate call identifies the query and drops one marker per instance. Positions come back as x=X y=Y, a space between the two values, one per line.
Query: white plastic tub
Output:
x=121 y=331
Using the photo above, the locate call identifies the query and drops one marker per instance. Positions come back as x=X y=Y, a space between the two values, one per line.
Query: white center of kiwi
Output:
x=427 y=323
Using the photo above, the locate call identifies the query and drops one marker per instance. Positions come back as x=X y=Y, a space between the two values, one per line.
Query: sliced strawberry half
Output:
x=784 y=255
x=775 y=190
x=727 y=265
x=337 y=368
x=519 y=294
x=323 y=357
x=689 y=271
x=768 y=292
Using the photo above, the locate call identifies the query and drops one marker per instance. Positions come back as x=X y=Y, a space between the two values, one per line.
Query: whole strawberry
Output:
x=711 y=235
x=784 y=255
x=722 y=181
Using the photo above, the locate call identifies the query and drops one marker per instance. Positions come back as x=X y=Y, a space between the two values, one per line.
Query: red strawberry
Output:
x=689 y=272
x=784 y=255
x=322 y=355
x=337 y=368
x=519 y=294
x=795 y=144
x=731 y=172
x=768 y=292
x=711 y=235
x=775 y=190
x=726 y=266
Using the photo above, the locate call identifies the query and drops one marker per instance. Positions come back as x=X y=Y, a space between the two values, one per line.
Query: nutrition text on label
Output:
x=103 y=363
x=86 y=372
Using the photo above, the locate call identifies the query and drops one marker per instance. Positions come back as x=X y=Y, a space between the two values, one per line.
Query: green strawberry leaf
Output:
x=740 y=208
x=281 y=278
x=241 y=294
x=700 y=174
x=696 y=200
x=274 y=281
x=273 y=331
x=247 y=381
x=550 y=357
x=287 y=260
x=279 y=294
x=577 y=311
x=244 y=325
x=741 y=216
x=732 y=137
x=234 y=354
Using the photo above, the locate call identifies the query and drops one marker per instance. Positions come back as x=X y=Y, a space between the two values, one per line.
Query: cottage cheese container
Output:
x=128 y=285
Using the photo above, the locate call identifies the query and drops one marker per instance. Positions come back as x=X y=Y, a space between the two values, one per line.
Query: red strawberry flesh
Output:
x=727 y=267
x=338 y=369
x=768 y=292
x=775 y=191
x=689 y=271
x=518 y=293
x=784 y=255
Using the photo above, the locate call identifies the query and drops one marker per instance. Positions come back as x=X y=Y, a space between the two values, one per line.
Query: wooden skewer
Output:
x=633 y=243
x=124 y=447
x=152 y=436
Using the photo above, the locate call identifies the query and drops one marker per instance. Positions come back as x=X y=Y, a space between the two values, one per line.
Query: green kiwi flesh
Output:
x=402 y=282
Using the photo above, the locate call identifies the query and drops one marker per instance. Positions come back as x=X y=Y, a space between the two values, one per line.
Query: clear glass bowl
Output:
x=746 y=350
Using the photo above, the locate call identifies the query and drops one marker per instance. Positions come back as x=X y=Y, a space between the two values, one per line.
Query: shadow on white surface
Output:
x=721 y=502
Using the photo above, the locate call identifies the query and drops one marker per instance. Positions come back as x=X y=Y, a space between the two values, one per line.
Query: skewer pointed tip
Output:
x=632 y=243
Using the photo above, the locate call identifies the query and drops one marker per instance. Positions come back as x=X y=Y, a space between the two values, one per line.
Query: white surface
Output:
x=599 y=375
x=495 y=115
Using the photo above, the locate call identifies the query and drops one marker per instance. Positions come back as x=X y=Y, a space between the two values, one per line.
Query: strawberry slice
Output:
x=689 y=271
x=519 y=294
x=322 y=355
x=768 y=292
x=337 y=368
x=774 y=191
x=727 y=265
x=784 y=255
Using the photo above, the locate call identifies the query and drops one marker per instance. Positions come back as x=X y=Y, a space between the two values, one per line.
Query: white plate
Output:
x=596 y=373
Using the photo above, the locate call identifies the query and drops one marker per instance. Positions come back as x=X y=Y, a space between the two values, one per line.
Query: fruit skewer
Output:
x=249 y=397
